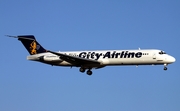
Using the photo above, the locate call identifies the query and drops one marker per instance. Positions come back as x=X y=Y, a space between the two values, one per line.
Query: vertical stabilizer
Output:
x=31 y=44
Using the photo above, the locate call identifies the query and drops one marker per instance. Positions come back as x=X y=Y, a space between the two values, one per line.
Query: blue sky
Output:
x=89 y=25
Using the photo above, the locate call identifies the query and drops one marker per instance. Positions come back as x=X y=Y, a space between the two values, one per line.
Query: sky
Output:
x=72 y=25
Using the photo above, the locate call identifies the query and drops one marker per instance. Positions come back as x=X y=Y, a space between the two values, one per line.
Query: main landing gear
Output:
x=82 y=70
x=165 y=67
x=89 y=72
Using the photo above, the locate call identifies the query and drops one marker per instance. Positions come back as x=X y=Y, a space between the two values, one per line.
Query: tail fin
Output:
x=31 y=44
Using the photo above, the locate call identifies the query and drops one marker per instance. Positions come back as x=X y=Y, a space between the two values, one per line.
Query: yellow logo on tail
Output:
x=33 y=47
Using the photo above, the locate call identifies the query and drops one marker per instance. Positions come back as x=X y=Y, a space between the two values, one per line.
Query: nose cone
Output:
x=171 y=59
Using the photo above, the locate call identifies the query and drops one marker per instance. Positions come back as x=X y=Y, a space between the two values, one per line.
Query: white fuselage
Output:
x=88 y=60
x=109 y=57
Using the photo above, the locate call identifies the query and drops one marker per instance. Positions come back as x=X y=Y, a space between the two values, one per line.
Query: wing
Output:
x=76 y=60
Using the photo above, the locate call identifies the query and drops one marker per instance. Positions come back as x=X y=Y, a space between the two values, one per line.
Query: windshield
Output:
x=162 y=52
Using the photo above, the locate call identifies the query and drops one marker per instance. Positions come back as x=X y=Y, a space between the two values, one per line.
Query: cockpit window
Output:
x=162 y=52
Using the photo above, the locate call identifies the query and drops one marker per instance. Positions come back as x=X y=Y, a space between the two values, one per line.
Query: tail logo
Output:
x=34 y=47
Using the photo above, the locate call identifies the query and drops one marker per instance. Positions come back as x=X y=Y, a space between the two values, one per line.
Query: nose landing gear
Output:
x=165 y=67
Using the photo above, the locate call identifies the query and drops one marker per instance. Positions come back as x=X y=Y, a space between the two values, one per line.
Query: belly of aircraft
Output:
x=130 y=61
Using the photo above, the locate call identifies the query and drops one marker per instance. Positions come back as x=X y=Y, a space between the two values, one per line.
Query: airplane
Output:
x=88 y=60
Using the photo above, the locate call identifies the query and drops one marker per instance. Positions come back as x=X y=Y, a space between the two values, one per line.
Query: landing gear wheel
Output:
x=89 y=72
x=165 y=68
x=82 y=70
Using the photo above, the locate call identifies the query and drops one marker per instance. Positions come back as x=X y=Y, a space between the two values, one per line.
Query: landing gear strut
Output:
x=165 y=67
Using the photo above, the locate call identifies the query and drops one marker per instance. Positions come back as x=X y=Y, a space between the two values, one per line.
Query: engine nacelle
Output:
x=50 y=59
